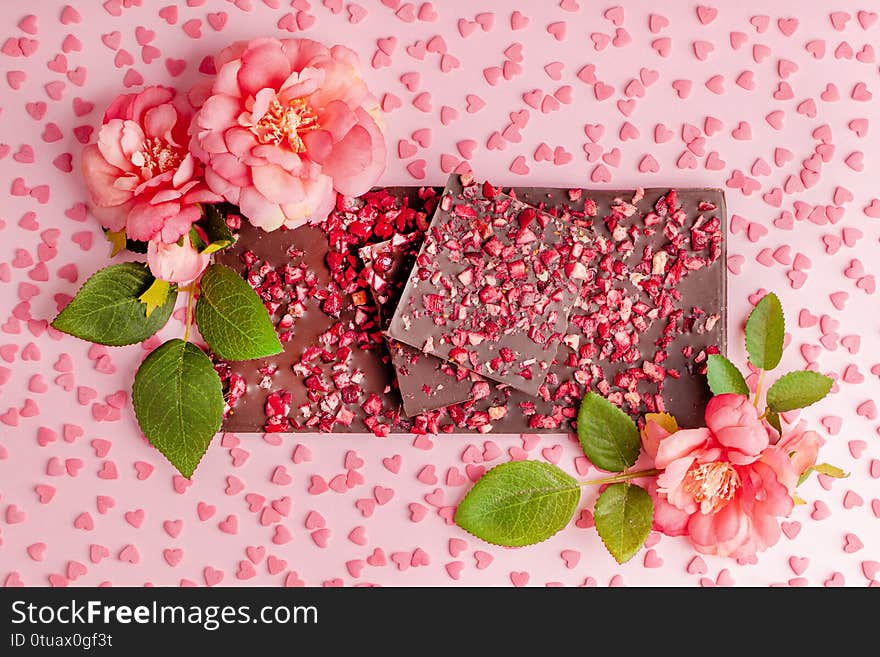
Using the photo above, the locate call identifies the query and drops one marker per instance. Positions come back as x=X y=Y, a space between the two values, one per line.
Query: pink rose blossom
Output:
x=176 y=263
x=733 y=419
x=727 y=496
x=139 y=175
x=287 y=124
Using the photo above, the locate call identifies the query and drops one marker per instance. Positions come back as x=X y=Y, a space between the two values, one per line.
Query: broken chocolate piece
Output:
x=492 y=287
x=426 y=383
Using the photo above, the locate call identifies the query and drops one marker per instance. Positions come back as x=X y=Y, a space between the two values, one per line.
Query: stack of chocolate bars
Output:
x=477 y=309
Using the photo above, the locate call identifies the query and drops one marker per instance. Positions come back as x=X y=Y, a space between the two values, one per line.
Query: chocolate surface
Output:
x=490 y=289
x=322 y=365
x=425 y=382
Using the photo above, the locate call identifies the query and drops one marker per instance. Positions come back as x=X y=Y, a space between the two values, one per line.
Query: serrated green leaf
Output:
x=107 y=309
x=178 y=401
x=724 y=377
x=519 y=503
x=797 y=390
x=195 y=239
x=117 y=241
x=825 y=469
x=775 y=421
x=218 y=233
x=608 y=436
x=830 y=470
x=765 y=332
x=624 y=514
x=664 y=420
x=155 y=296
x=231 y=317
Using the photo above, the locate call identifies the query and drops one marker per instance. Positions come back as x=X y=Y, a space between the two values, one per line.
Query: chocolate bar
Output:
x=425 y=382
x=638 y=337
x=492 y=287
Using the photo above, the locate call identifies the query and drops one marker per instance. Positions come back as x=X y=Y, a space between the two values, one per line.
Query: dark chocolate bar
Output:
x=638 y=337
x=492 y=287
x=426 y=383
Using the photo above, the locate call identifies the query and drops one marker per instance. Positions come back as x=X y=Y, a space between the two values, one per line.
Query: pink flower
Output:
x=176 y=263
x=287 y=124
x=733 y=419
x=140 y=176
x=726 y=496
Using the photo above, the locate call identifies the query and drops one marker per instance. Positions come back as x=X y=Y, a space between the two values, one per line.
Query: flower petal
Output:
x=319 y=145
x=359 y=159
x=669 y=519
x=263 y=64
x=240 y=141
x=185 y=171
x=230 y=53
x=681 y=444
x=110 y=145
x=99 y=176
x=261 y=103
x=147 y=99
x=277 y=185
x=112 y=217
x=176 y=263
x=160 y=121
x=320 y=200
x=261 y=212
x=226 y=80
x=218 y=113
x=337 y=118
x=146 y=220
x=179 y=224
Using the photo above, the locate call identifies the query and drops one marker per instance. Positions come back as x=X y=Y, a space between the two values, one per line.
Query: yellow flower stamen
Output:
x=286 y=123
x=712 y=484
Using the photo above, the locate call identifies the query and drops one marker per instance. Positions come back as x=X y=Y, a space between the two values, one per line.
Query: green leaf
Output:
x=117 y=241
x=178 y=401
x=519 y=503
x=724 y=377
x=608 y=436
x=219 y=235
x=797 y=390
x=155 y=296
x=825 y=469
x=775 y=421
x=232 y=319
x=664 y=420
x=107 y=308
x=624 y=514
x=765 y=332
x=195 y=239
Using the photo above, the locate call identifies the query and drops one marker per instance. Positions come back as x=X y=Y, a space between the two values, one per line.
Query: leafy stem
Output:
x=759 y=387
x=618 y=478
x=190 y=293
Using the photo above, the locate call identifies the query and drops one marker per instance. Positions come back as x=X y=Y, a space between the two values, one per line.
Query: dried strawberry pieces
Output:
x=488 y=277
x=611 y=320
x=637 y=326
x=425 y=383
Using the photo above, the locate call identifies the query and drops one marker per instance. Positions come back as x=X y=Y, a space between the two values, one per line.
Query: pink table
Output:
x=694 y=97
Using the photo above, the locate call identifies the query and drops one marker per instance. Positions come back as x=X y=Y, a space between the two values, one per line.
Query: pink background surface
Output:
x=64 y=425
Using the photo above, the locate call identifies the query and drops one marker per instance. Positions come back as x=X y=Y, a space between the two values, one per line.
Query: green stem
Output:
x=623 y=476
x=758 y=388
x=190 y=290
